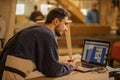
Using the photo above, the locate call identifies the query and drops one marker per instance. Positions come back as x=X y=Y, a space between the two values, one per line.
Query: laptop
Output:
x=94 y=55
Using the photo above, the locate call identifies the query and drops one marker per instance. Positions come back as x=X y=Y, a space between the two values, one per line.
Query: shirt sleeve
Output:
x=51 y=66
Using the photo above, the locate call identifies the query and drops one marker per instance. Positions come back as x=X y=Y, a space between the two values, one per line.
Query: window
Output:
x=45 y=8
x=20 y=9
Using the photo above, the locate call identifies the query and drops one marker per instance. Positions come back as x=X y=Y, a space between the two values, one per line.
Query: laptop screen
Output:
x=95 y=52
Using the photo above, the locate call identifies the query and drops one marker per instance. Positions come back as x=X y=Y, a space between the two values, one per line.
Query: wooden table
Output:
x=75 y=75
x=72 y=76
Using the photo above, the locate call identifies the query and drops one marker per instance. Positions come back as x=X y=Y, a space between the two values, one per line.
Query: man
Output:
x=36 y=14
x=92 y=15
x=36 y=48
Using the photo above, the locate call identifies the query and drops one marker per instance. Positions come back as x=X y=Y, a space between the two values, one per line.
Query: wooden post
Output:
x=11 y=19
x=103 y=10
x=68 y=41
x=114 y=26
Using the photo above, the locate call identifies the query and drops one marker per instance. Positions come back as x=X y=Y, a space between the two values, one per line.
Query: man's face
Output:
x=61 y=27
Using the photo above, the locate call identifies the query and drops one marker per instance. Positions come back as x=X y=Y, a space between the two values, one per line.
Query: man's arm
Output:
x=51 y=66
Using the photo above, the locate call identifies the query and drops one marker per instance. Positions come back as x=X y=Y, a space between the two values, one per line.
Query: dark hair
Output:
x=35 y=7
x=59 y=13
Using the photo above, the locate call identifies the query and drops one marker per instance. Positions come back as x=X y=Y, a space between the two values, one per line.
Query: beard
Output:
x=57 y=33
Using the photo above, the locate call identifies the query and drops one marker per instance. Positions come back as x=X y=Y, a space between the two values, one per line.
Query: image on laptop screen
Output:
x=95 y=52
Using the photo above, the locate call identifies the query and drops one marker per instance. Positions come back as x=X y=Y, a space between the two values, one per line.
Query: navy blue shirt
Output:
x=39 y=45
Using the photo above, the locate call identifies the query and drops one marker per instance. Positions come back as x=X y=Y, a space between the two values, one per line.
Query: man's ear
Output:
x=56 y=21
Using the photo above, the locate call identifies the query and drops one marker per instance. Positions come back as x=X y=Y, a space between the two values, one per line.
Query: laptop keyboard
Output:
x=87 y=65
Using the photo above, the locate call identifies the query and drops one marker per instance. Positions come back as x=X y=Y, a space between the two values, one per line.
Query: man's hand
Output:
x=74 y=62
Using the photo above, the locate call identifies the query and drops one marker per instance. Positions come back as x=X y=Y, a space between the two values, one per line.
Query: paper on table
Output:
x=112 y=69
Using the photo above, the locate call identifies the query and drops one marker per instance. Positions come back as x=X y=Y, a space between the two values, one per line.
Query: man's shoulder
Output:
x=43 y=30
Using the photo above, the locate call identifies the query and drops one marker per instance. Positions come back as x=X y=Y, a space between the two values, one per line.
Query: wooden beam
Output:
x=11 y=19
x=73 y=9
